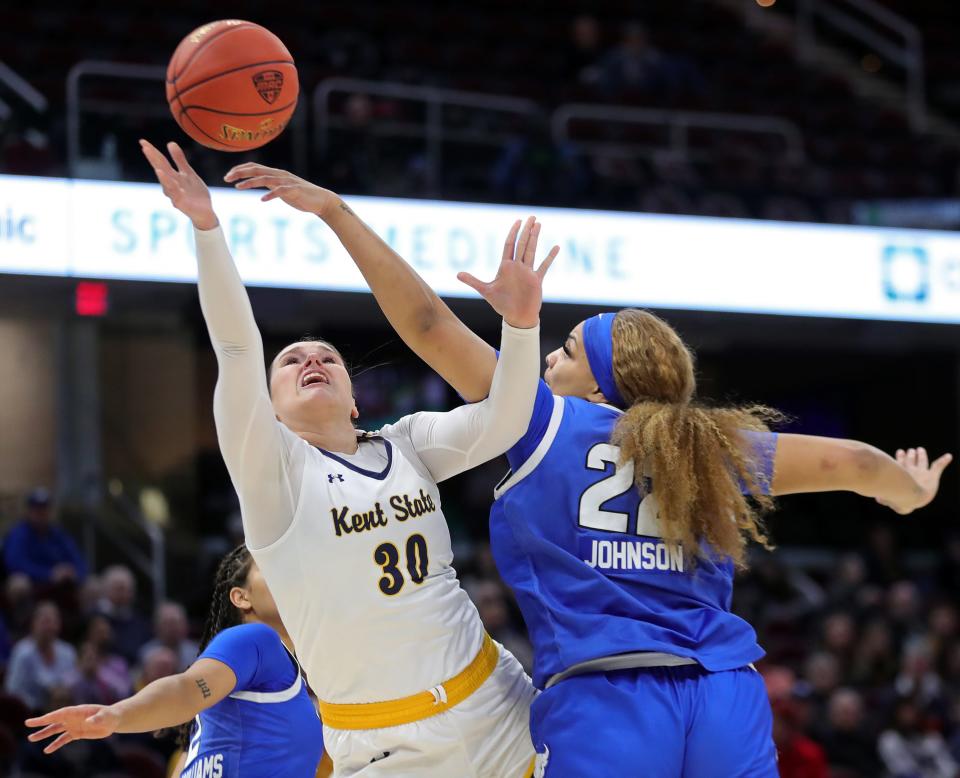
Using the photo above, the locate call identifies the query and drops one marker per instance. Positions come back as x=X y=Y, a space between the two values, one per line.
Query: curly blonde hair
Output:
x=694 y=455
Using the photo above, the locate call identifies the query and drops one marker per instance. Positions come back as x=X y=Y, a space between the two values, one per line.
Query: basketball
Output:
x=232 y=85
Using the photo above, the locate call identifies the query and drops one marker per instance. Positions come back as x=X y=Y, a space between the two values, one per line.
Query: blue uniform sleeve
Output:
x=256 y=655
x=762 y=453
x=539 y=421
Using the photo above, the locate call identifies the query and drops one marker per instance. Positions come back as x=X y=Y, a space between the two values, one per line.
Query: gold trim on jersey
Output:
x=423 y=705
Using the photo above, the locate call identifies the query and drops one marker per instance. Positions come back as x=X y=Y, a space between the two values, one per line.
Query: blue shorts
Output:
x=659 y=722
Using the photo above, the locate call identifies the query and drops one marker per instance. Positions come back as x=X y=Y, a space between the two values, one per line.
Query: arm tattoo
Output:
x=204 y=689
x=346 y=208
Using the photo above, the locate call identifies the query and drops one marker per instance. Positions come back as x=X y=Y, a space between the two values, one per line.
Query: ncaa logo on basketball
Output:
x=268 y=84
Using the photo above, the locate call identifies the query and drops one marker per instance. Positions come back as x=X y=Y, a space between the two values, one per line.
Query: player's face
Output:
x=310 y=379
x=258 y=598
x=568 y=372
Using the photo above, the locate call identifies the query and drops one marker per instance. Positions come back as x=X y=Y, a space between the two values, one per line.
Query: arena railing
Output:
x=23 y=89
x=127 y=516
x=677 y=124
x=883 y=31
x=152 y=106
x=434 y=131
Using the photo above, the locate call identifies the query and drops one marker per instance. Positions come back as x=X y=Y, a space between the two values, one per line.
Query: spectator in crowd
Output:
x=904 y=611
x=118 y=604
x=918 y=679
x=20 y=603
x=42 y=667
x=797 y=755
x=848 y=585
x=875 y=657
x=106 y=675
x=170 y=629
x=822 y=673
x=882 y=557
x=636 y=66
x=584 y=51
x=95 y=683
x=909 y=748
x=38 y=548
x=158 y=662
x=840 y=638
x=851 y=749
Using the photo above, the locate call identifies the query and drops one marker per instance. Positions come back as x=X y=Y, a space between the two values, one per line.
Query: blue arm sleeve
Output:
x=255 y=654
x=762 y=453
x=542 y=410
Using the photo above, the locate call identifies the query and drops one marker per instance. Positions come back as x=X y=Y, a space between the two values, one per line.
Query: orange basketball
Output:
x=232 y=85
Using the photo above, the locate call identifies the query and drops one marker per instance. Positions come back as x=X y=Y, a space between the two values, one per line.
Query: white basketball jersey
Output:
x=363 y=578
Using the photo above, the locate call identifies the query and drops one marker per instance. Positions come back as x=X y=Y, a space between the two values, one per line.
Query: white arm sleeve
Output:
x=264 y=459
x=449 y=443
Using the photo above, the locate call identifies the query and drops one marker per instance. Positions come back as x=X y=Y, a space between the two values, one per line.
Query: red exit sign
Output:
x=92 y=298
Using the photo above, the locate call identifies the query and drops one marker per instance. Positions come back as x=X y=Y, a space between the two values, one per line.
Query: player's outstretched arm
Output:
x=806 y=463
x=166 y=702
x=251 y=439
x=414 y=310
x=449 y=443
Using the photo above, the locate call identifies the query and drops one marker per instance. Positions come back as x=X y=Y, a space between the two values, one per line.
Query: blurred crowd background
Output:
x=729 y=108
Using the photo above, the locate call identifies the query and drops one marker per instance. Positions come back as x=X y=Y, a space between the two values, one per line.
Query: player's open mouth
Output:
x=313 y=377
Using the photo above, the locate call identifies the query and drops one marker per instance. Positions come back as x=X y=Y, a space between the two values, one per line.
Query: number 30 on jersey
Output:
x=387 y=556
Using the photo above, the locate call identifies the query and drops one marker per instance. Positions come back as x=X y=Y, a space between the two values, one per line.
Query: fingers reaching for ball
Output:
x=181 y=184
x=283 y=185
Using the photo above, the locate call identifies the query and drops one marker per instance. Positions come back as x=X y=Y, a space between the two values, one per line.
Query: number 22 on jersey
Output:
x=592 y=515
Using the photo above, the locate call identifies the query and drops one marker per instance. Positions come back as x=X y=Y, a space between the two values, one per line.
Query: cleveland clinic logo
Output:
x=906 y=274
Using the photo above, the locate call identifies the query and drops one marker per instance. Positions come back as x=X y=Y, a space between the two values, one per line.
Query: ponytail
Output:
x=710 y=487
x=700 y=468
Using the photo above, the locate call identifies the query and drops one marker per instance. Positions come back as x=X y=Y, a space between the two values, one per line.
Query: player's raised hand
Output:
x=517 y=291
x=181 y=184
x=925 y=473
x=283 y=185
x=79 y=722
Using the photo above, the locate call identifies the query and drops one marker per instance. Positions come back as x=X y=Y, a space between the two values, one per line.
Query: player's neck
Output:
x=331 y=436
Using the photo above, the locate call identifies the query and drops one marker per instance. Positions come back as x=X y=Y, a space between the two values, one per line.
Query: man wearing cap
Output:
x=39 y=549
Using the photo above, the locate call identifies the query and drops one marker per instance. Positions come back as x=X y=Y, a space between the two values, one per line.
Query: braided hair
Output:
x=223 y=614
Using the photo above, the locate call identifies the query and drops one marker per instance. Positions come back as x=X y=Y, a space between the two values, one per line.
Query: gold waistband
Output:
x=392 y=713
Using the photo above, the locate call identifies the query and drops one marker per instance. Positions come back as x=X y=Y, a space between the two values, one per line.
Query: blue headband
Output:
x=598 y=343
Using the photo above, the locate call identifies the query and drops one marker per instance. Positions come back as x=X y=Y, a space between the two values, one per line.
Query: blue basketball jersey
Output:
x=580 y=548
x=268 y=725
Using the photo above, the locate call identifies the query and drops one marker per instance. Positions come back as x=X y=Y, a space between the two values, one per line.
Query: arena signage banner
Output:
x=92 y=229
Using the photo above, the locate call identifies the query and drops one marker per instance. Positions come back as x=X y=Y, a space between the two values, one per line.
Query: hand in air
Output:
x=517 y=291
x=182 y=185
x=926 y=474
x=293 y=190
x=79 y=722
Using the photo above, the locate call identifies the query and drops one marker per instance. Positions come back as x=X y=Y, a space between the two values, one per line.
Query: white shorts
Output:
x=485 y=736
